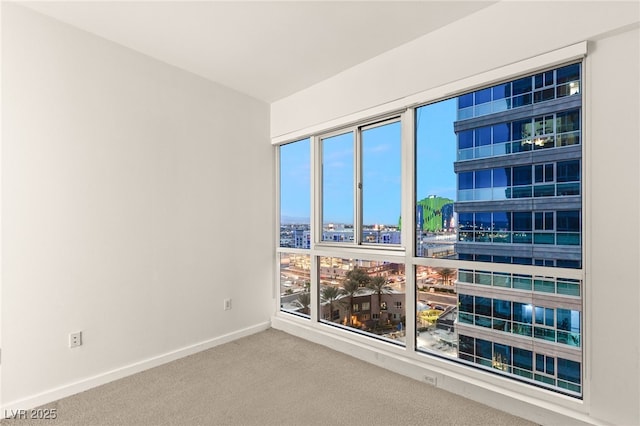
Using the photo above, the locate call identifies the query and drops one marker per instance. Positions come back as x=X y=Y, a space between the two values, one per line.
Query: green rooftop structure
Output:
x=437 y=213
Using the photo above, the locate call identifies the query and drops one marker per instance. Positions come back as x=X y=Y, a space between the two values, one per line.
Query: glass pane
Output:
x=482 y=136
x=295 y=283
x=483 y=278
x=502 y=309
x=295 y=194
x=568 y=221
x=522 y=221
x=337 y=188
x=522 y=283
x=502 y=177
x=436 y=181
x=483 y=96
x=437 y=309
x=544 y=191
x=568 y=121
x=501 y=280
x=522 y=85
x=465 y=140
x=462 y=167
x=568 y=287
x=569 y=370
x=540 y=238
x=364 y=295
x=568 y=73
x=465 y=101
x=381 y=184
x=501 y=133
x=568 y=171
x=522 y=175
x=501 y=91
x=545 y=286
x=483 y=179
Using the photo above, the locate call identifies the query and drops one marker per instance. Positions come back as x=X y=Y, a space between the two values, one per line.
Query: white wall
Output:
x=496 y=37
x=135 y=198
x=613 y=250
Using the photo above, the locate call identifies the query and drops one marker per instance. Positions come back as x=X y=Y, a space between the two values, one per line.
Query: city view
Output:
x=497 y=181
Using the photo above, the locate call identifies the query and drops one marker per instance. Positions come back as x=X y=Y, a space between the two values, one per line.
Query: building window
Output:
x=361 y=185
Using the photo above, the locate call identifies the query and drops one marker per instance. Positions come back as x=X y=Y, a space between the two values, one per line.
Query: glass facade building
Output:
x=519 y=201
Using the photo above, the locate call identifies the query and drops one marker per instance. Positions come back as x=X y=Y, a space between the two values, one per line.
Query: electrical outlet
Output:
x=430 y=380
x=227 y=304
x=75 y=339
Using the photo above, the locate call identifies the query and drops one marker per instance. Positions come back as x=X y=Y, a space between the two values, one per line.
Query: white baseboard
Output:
x=127 y=370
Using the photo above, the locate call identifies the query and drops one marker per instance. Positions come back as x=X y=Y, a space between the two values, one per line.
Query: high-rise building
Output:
x=519 y=201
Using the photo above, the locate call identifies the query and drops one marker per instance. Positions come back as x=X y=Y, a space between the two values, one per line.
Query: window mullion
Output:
x=315 y=219
x=316 y=190
x=357 y=179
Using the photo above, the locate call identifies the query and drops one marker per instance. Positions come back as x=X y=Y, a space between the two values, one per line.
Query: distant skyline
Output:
x=435 y=155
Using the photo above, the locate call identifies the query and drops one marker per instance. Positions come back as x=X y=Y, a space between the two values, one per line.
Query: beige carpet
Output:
x=270 y=378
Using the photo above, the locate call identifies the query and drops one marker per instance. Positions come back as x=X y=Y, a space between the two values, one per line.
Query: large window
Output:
x=489 y=274
x=498 y=181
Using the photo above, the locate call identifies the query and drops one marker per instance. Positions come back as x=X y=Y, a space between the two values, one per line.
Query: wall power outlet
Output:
x=75 y=339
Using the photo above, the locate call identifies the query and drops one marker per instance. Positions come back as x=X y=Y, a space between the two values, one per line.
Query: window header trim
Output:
x=530 y=65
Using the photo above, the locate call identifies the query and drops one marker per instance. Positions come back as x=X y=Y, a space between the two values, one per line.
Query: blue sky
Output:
x=436 y=150
x=435 y=154
x=295 y=180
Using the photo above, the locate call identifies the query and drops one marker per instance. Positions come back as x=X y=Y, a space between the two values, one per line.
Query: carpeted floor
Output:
x=270 y=378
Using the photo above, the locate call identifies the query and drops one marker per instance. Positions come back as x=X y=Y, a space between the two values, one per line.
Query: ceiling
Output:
x=266 y=49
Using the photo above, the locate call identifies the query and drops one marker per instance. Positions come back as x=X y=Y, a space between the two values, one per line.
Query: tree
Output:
x=305 y=300
x=379 y=287
x=445 y=274
x=329 y=295
x=355 y=280
x=358 y=275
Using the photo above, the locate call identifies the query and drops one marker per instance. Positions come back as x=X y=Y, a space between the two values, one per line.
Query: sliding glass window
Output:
x=361 y=185
x=338 y=169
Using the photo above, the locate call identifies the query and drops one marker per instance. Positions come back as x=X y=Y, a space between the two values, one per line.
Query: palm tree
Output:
x=355 y=280
x=358 y=275
x=350 y=288
x=379 y=286
x=445 y=274
x=330 y=294
x=305 y=300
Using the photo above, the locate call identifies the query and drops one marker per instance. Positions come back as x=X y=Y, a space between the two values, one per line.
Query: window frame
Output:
x=407 y=106
x=357 y=130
